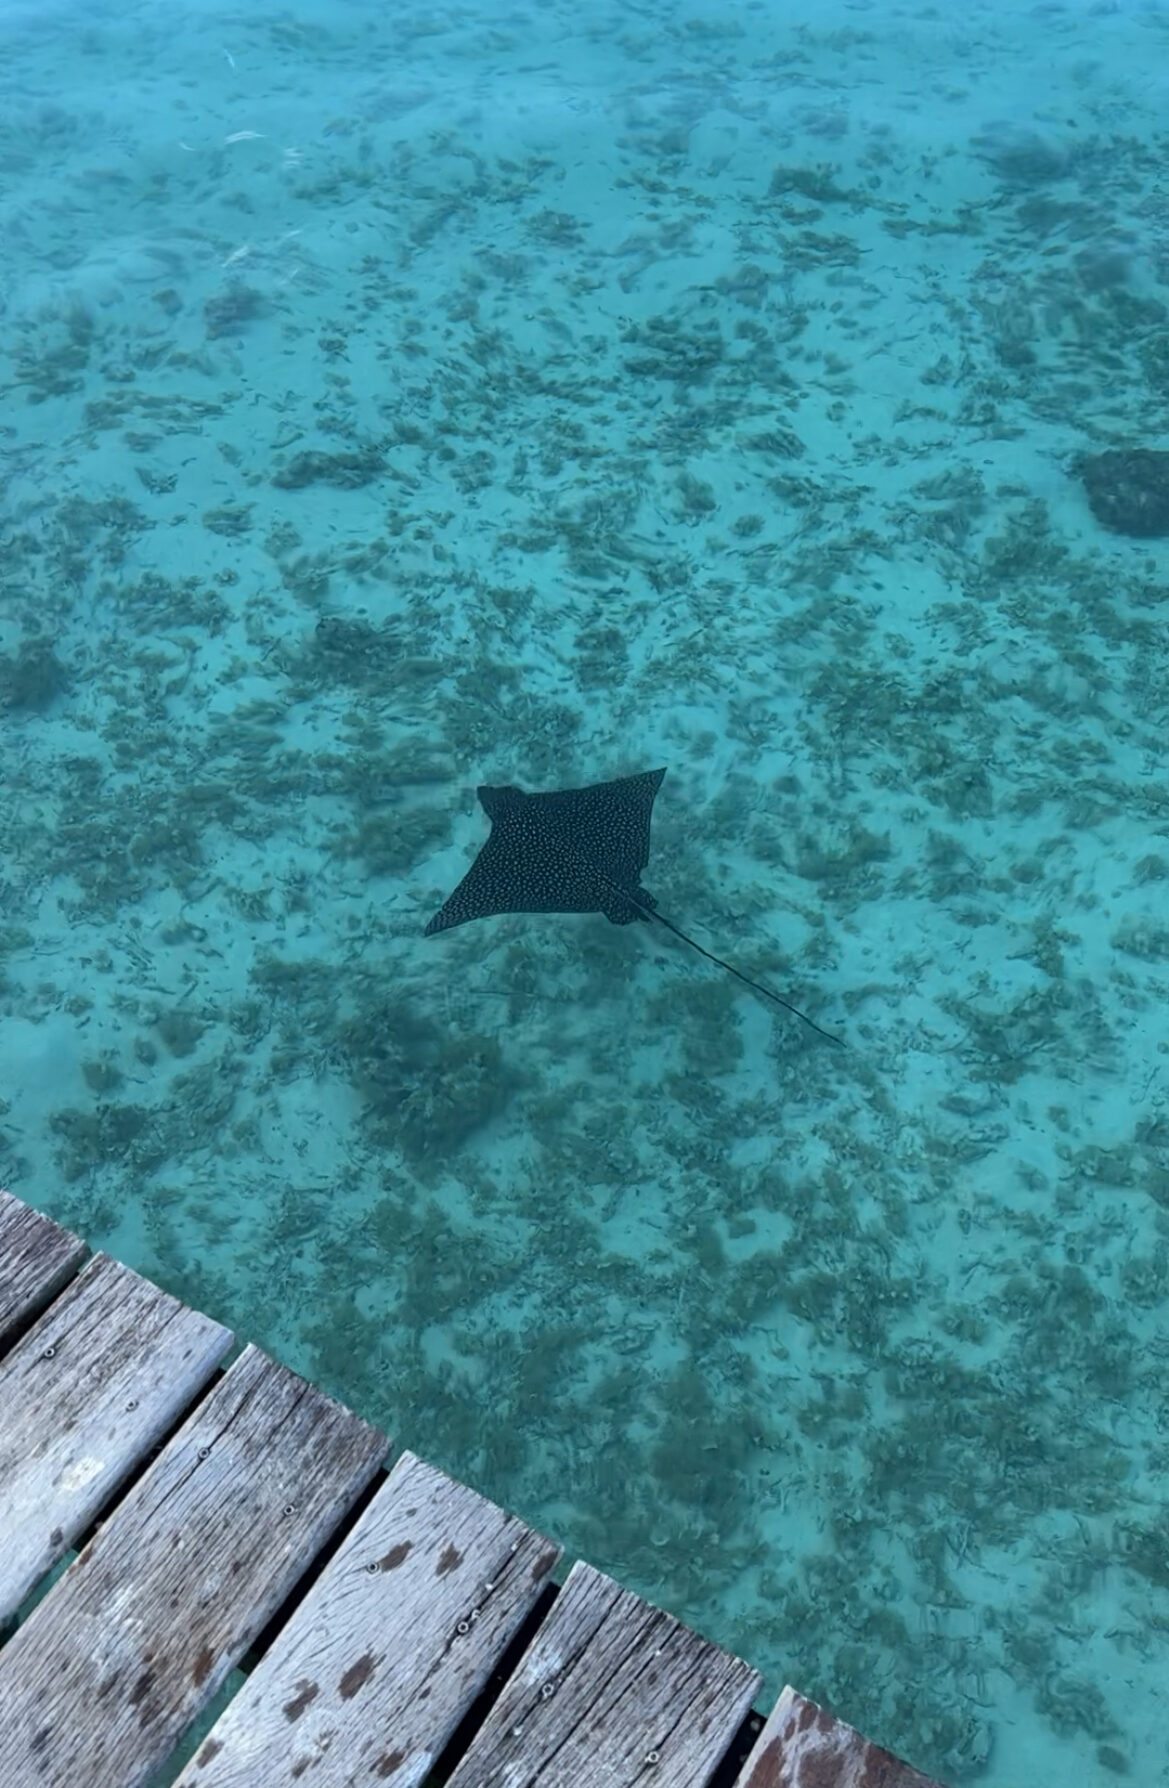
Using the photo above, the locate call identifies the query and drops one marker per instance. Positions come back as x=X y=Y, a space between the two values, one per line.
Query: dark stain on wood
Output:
x=208 y=1751
x=305 y=1693
x=396 y=1555
x=388 y=1762
x=767 y=1769
x=142 y=1688
x=201 y=1669
x=450 y=1560
x=356 y=1676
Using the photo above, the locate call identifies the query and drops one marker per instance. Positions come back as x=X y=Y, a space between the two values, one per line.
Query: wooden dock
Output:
x=393 y=1625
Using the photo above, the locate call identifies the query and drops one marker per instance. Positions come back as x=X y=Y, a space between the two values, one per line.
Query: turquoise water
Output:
x=396 y=399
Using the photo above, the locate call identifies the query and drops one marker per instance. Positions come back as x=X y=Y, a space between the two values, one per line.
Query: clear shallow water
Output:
x=390 y=404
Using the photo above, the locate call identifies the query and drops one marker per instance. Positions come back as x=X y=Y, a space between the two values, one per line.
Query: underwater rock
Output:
x=1020 y=156
x=346 y=471
x=32 y=678
x=1128 y=490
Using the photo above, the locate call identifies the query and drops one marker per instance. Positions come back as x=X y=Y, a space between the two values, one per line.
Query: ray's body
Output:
x=574 y=850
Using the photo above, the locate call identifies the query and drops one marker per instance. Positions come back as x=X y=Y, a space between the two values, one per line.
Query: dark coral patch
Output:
x=1128 y=490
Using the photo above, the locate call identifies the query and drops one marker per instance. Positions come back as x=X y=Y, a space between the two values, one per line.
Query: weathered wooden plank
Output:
x=803 y=1746
x=610 y=1691
x=37 y=1256
x=389 y=1649
x=107 y=1673
x=84 y=1396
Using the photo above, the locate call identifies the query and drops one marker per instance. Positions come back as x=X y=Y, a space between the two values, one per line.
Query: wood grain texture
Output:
x=84 y=1396
x=389 y=1649
x=111 y=1668
x=803 y=1746
x=37 y=1257
x=610 y=1692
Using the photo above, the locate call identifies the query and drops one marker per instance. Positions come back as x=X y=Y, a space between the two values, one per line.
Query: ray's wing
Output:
x=609 y=832
x=485 y=889
x=527 y=865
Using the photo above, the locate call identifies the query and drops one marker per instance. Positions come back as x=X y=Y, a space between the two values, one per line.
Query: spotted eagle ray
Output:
x=575 y=850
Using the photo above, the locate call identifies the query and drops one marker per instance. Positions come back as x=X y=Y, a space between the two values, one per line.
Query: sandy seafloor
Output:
x=398 y=398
